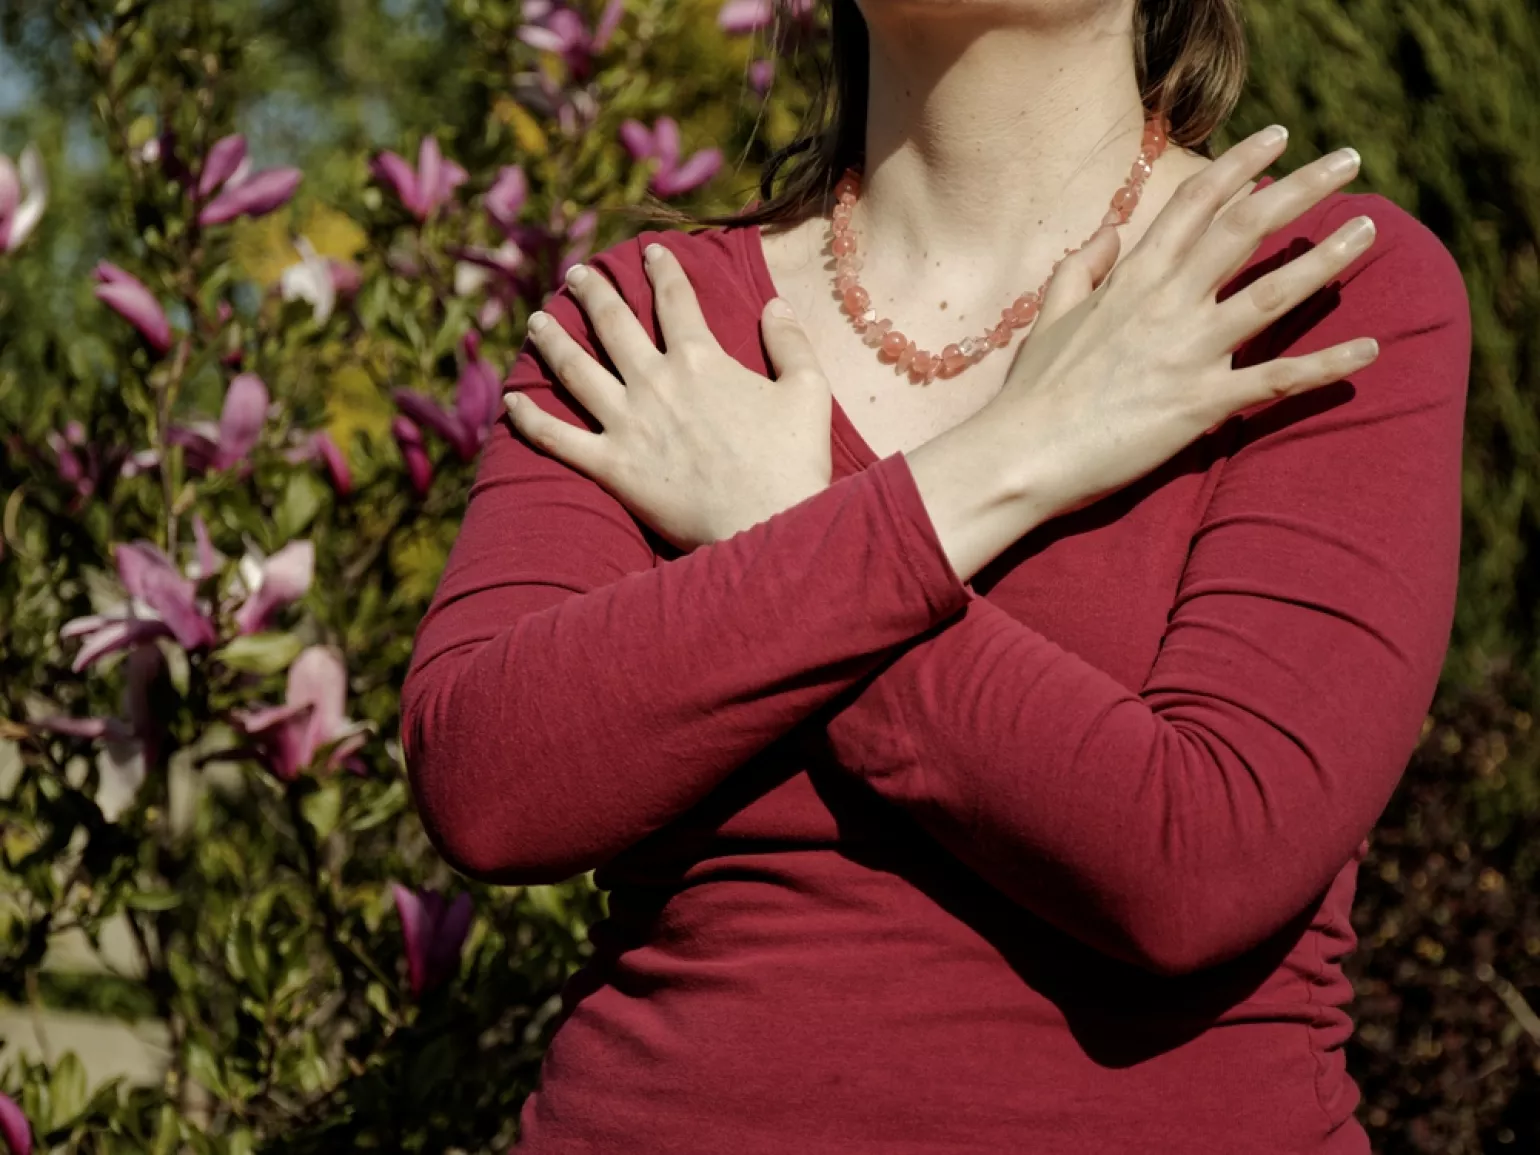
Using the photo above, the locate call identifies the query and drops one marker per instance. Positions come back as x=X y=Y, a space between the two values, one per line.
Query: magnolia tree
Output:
x=227 y=496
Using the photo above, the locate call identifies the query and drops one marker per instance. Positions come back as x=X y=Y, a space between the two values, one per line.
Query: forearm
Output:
x=1182 y=821
x=1172 y=828
x=976 y=484
x=544 y=741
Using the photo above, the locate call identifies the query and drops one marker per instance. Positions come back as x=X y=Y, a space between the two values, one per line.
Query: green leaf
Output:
x=247 y=956
x=168 y=1130
x=548 y=900
x=178 y=669
x=260 y=653
x=67 y=1090
x=203 y=1069
x=302 y=500
x=322 y=808
x=182 y=972
x=382 y=808
x=379 y=998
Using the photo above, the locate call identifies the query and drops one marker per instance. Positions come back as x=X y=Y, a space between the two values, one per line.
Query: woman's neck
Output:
x=991 y=147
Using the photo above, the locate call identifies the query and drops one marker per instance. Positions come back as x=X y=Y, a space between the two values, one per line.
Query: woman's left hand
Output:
x=693 y=443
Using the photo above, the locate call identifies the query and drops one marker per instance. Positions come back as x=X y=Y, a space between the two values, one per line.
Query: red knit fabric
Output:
x=1059 y=861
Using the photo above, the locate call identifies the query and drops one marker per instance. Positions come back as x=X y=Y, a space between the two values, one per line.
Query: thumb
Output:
x=1079 y=275
x=791 y=353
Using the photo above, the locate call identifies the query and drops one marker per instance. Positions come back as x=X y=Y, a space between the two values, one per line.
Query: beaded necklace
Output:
x=922 y=365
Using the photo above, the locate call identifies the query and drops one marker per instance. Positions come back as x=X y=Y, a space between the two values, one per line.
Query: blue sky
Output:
x=14 y=88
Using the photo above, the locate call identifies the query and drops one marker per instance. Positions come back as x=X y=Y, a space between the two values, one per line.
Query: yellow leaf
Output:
x=526 y=129
x=354 y=405
x=262 y=248
x=418 y=561
x=141 y=131
x=333 y=234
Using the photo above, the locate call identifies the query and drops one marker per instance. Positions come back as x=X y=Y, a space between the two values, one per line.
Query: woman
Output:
x=990 y=775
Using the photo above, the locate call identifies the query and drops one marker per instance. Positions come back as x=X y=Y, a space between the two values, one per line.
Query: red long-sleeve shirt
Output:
x=1056 y=861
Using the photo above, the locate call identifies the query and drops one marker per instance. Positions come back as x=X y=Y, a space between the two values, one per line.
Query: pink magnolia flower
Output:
x=319 y=446
x=506 y=262
x=320 y=280
x=14 y=1128
x=419 y=469
x=477 y=404
x=132 y=744
x=272 y=583
x=550 y=98
x=558 y=28
x=313 y=717
x=241 y=192
x=506 y=196
x=23 y=196
x=427 y=187
x=661 y=143
x=87 y=468
x=578 y=238
x=746 y=17
x=160 y=603
x=576 y=112
x=761 y=75
x=222 y=162
x=77 y=461
x=563 y=244
x=128 y=297
x=529 y=262
x=433 y=933
x=227 y=444
x=206 y=559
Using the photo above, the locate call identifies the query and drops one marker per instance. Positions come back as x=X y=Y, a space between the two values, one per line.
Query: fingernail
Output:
x=653 y=251
x=511 y=401
x=779 y=308
x=1343 y=160
x=1273 y=134
x=537 y=321
x=1359 y=231
x=1364 y=351
x=576 y=274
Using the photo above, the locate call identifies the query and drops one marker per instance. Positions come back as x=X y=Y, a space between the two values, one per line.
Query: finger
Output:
x=1224 y=250
x=679 y=313
x=594 y=386
x=791 y=353
x=1187 y=216
x=579 y=448
x=1247 y=312
x=1284 y=376
x=1077 y=275
x=616 y=326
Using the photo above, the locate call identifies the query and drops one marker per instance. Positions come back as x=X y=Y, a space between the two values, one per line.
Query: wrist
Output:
x=977 y=488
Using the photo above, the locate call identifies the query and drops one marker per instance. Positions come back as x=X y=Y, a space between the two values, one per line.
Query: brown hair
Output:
x=1190 y=60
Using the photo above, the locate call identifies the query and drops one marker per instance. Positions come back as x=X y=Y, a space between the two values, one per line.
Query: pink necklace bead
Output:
x=922 y=365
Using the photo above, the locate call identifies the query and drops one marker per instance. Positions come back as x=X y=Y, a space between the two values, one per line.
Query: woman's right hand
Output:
x=1115 y=380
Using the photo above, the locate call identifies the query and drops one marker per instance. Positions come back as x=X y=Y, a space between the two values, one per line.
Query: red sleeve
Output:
x=570 y=693
x=1183 y=824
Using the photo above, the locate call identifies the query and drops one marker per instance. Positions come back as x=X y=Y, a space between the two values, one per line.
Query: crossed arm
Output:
x=571 y=694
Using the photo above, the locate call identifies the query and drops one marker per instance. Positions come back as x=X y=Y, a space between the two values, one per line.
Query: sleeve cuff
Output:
x=918 y=541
